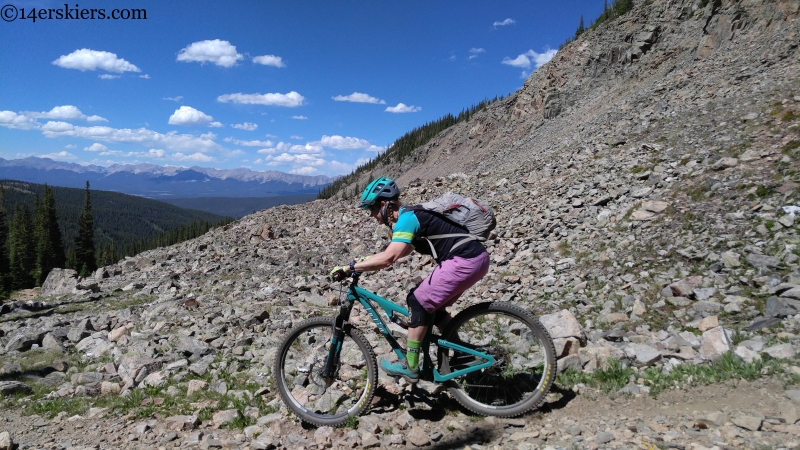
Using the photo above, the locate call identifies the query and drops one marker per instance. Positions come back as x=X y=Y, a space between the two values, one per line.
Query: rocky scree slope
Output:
x=649 y=241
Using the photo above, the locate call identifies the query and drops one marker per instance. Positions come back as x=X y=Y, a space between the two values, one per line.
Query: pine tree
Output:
x=22 y=248
x=581 y=28
x=85 y=262
x=5 y=265
x=49 y=246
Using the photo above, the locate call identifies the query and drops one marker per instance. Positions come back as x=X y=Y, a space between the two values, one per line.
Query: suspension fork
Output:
x=332 y=361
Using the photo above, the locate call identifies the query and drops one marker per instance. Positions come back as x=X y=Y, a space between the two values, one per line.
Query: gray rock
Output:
x=6 y=443
x=715 y=344
x=762 y=261
x=747 y=422
x=418 y=437
x=645 y=354
x=59 y=282
x=781 y=307
x=562 y=325
x=13 y=387
x=603 y=437
x=781 y=351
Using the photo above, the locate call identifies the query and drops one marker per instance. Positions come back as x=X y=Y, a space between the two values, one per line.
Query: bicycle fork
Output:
x=332 y=361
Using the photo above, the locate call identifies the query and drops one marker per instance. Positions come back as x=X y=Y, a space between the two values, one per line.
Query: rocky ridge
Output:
x=656 y=236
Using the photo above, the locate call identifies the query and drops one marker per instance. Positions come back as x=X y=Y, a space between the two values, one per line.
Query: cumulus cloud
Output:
x=216 y=51
x=299 y=117
x=307 y=170
x=71 y=146
x=291 y=100
x=247 y=126
x=60 y=155
x=403 y=108
x=142 y=136
x=294 y=136
x=174 y=99
x=10 y=119
x=86 y=59
x=253 y=143
x=524 y=60
x=474 y=52
x=156 y=153
x=108 y=76
x=145 y=76
x=96 y=147
x=504 y=23
x=358 y=97
x=65 y=112
x=300 y=159
x=347 y=143
x=197 y=157
x=188 y=116
x=269 y=60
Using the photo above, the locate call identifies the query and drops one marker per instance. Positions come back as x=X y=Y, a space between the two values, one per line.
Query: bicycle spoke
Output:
x=521 y=355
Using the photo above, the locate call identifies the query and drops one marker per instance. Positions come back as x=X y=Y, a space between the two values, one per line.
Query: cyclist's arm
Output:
x=386 y=258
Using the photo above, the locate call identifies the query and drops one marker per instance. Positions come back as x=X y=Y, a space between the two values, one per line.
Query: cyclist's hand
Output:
x=363 y=258
x=339 y=273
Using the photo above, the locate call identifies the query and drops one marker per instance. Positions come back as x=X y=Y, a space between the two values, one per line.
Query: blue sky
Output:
x=302 y=87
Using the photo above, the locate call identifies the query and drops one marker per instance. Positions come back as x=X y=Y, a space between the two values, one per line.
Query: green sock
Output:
x=412 y=356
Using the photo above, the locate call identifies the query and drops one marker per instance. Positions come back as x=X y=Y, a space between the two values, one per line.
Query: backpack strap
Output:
x=467 y=238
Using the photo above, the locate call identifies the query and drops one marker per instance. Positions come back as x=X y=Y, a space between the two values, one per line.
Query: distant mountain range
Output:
x=162 y=182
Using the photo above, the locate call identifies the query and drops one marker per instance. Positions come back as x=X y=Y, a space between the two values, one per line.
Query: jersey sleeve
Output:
x=406 y=228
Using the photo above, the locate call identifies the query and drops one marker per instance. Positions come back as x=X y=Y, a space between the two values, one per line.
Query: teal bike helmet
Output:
x=381 y=189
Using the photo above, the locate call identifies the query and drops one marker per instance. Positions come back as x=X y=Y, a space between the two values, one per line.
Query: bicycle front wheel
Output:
x=298 y=371
x=525 y=363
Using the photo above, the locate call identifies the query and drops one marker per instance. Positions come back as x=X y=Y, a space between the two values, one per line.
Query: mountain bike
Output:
x=495 y=359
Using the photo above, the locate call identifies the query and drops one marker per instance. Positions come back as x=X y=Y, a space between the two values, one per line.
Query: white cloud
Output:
x=156 y=153
x=145 y=76
x=10 y=119
x=96 y=147
x=267 y=151
x=474 y=52
x=307 y=170
x=210 y=136
x=403 y=108
x=188 y=116
x=299 y=117
x=247 y=126
x=290 y=100
x=71 y=146
x=221 y=53
x=86 y=59
x=271 y=136
x=107 y=76
x=524 y=60
x=346 y=143
x=143 y=136
x=253 y=143
x=309 y=148
x=174 y=99
x=504 y=23
x=198 y=157
x=59 y=155
x=269 y=60
x=358 y=97
x=294 y=136
x=301 y=159
x=65 y=112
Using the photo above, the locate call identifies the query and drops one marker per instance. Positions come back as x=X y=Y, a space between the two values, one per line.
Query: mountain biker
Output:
x=455 y=272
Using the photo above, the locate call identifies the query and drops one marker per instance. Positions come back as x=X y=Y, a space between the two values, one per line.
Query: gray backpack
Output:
x=471 y=213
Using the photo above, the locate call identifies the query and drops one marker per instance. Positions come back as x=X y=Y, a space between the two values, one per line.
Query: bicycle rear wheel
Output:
x=525 y=362
x=298 y=368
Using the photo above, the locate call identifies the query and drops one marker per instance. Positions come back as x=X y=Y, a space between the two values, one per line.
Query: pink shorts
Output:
x=449 y=280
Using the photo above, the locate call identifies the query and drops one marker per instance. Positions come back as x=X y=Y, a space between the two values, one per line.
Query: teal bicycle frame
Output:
x=366 y=299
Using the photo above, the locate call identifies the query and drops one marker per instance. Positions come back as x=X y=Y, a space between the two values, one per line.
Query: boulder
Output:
x=60 y=282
